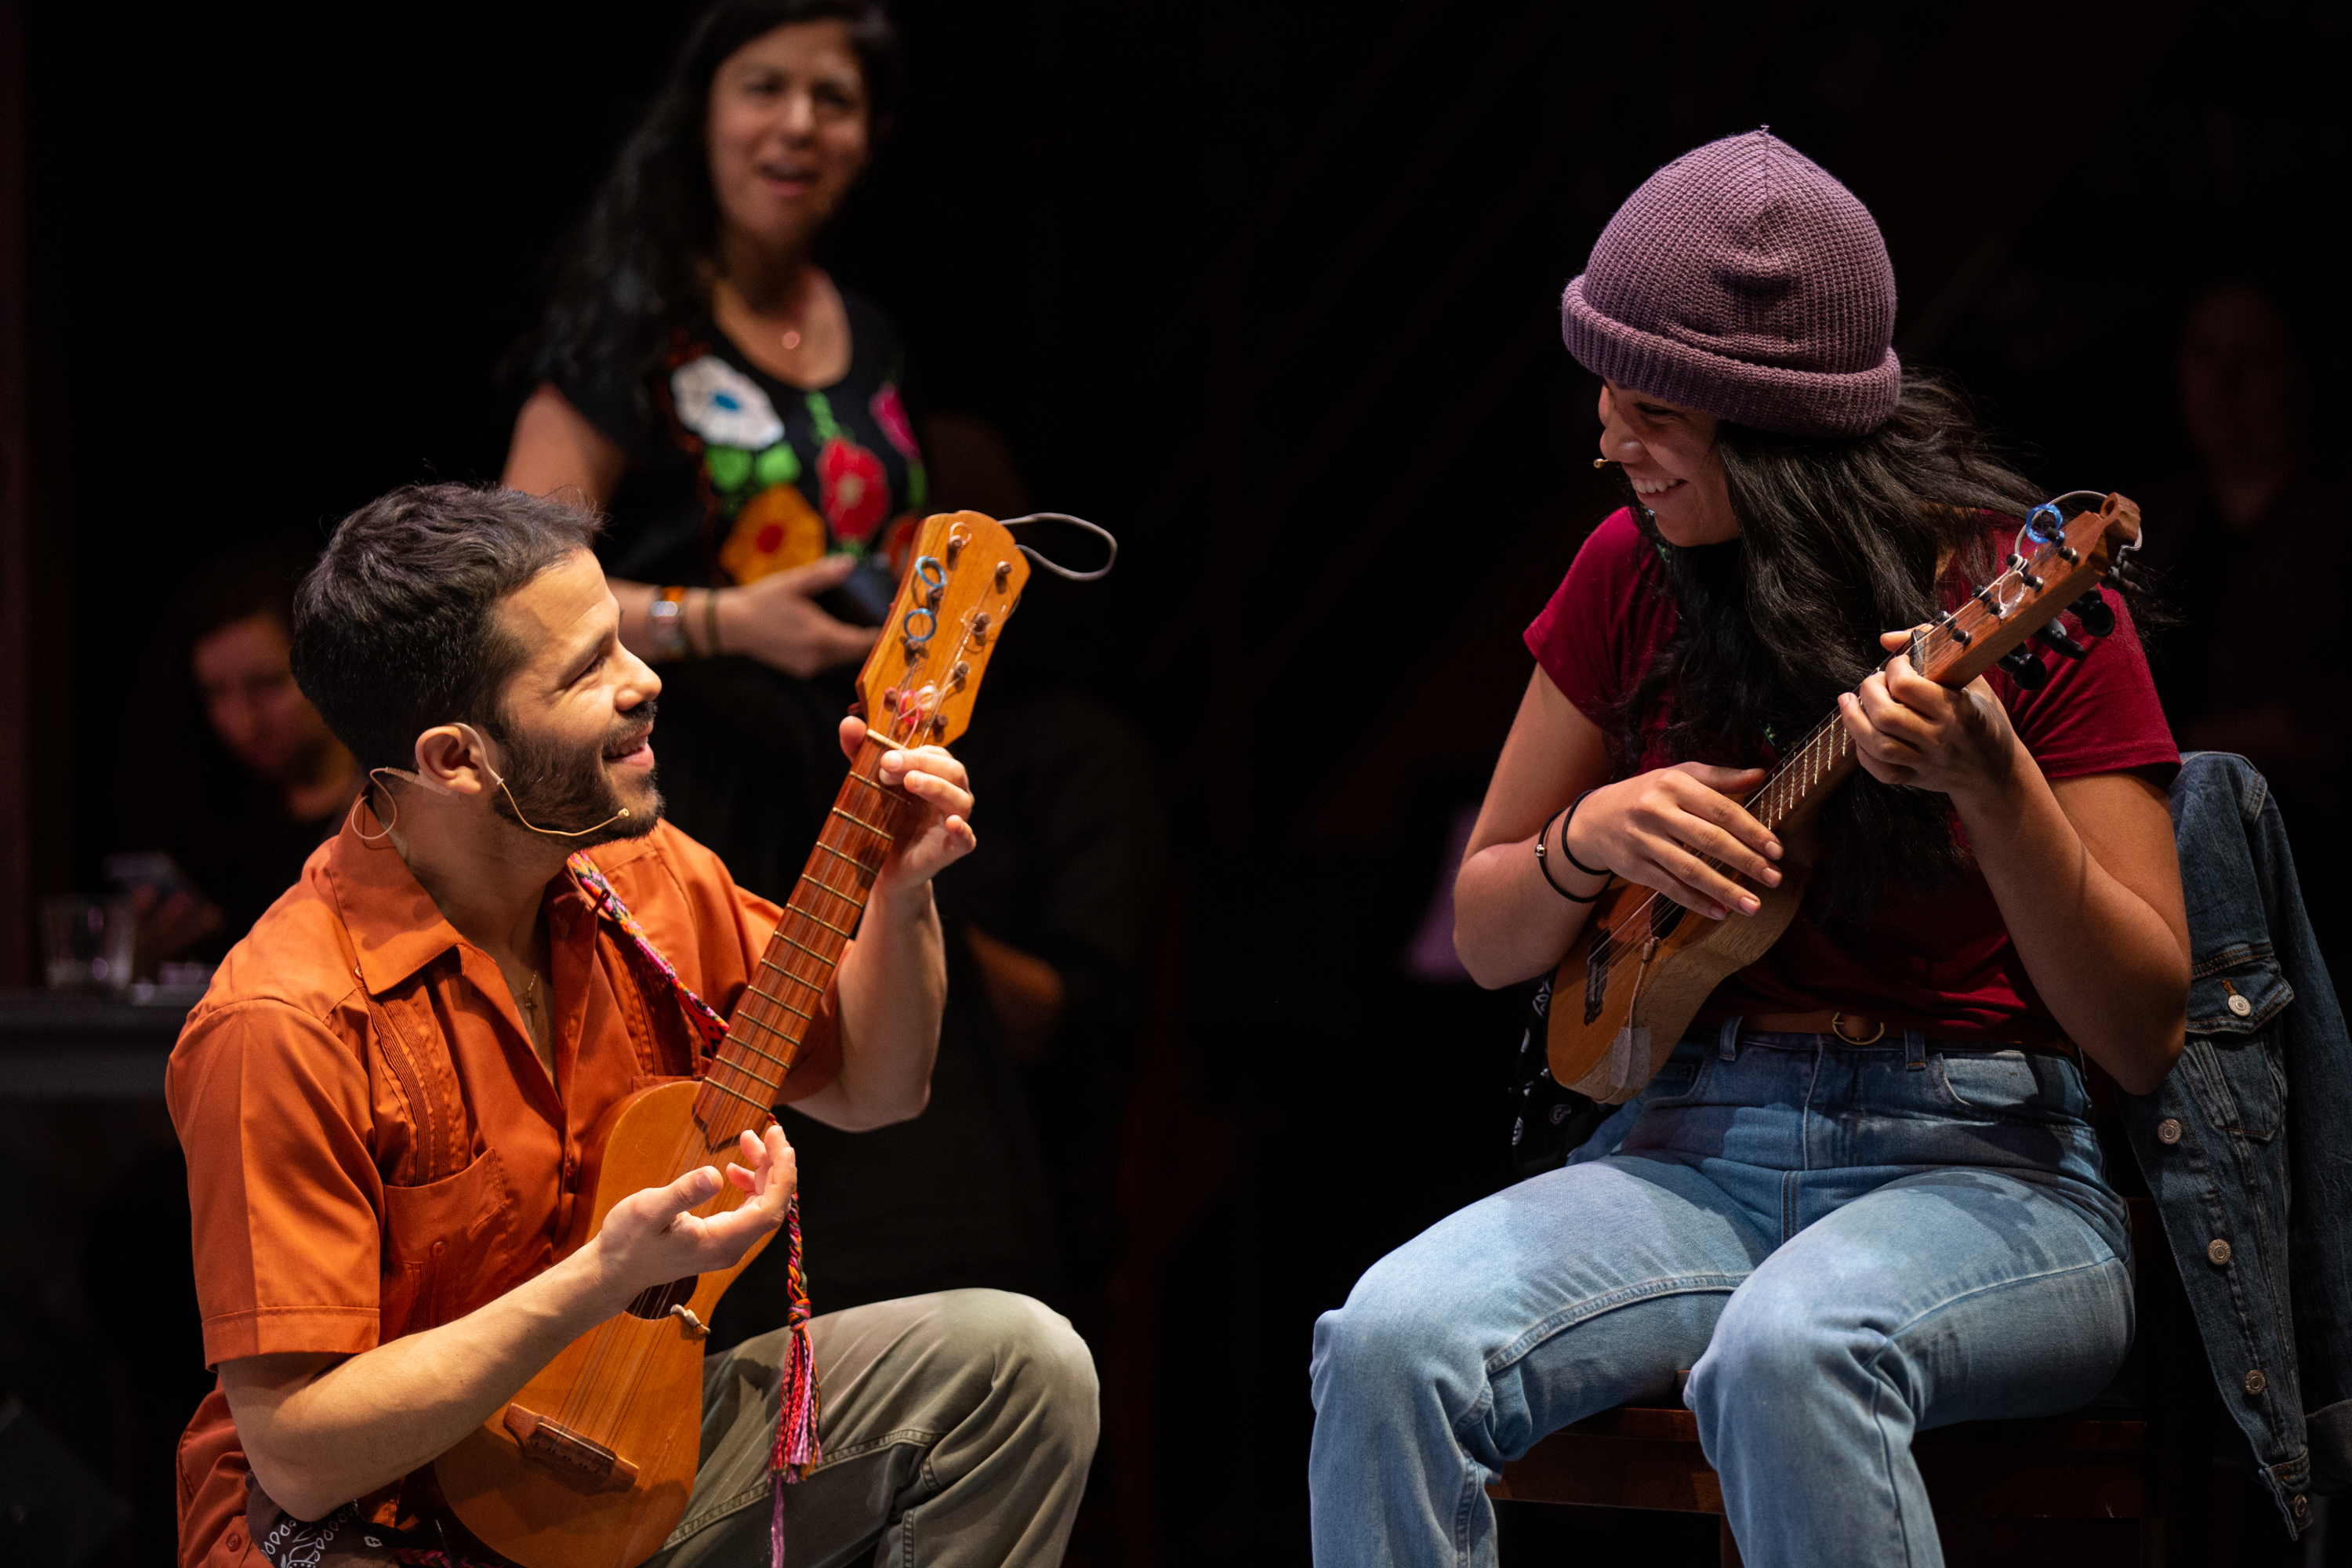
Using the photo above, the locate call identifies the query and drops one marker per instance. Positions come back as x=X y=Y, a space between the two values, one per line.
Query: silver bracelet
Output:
x=664 y=630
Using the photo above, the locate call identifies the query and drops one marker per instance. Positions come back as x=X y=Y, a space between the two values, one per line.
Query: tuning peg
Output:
x=2123 y=572
x=2055 y=636
x=2098 y=616
x=2023 y=668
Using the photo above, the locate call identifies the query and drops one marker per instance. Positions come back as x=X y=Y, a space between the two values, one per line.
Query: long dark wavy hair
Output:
x=1839 y=539
x=641 y=262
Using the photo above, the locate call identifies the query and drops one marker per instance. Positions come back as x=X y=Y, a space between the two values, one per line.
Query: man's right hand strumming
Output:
x=652 y=1236
x=321 y=1430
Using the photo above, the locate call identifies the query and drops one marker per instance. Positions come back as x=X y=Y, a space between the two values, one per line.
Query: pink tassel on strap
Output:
x=797 y=1451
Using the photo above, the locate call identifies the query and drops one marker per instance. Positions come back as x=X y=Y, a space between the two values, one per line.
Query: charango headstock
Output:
x=962 y=584
x=2055 y=567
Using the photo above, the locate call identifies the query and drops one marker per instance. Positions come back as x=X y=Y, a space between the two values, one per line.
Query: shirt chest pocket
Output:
x=447 y=1246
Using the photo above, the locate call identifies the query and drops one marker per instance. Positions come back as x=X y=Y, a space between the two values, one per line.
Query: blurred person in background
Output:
x=238 y=779
x=2251 y=541
x=740 y=418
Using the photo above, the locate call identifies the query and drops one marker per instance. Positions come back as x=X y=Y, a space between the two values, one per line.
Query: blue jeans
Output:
x=1843 y=1245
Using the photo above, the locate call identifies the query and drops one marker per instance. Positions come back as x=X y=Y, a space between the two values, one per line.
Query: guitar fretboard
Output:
x=1818 y=766
x=1951 y=651
x=787 y=985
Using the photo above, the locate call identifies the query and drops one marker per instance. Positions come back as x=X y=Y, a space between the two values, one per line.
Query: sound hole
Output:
x=656 y=1300
x=1665 y=915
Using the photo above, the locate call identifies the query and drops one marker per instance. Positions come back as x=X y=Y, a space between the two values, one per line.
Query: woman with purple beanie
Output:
x=1862 y=1197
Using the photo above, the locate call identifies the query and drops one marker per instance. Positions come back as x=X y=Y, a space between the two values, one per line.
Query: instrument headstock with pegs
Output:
x=963 y=583
x=2061 y=573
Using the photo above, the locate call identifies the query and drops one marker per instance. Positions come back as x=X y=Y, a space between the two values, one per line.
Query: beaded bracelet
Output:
x=665 y=633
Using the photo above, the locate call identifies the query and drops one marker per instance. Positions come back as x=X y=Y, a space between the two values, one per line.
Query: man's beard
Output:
x=556 y=791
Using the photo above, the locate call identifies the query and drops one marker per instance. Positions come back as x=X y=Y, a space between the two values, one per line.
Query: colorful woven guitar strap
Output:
x=797 y=1451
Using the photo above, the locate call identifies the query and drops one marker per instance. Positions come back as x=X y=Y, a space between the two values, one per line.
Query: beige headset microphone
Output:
x=474 y=737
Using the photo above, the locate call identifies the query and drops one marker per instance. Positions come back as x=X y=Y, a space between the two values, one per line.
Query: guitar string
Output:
x=609 y=1385
x=730 y=1120
x=1799 y=760
x=604 y=1378
x=896 y=801
x=1618 y=957
x=626 y=1379
x=599 y=1376
x=596 y=1382
x=583 y=1405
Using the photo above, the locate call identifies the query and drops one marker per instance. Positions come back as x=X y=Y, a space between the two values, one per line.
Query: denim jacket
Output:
x=2257 y=1113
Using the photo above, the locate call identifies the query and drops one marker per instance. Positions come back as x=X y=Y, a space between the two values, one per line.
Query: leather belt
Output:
x=1861 y=1029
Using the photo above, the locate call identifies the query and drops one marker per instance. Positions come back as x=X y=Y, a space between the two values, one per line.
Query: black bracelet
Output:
x=1568 y=854
x=1544 y=865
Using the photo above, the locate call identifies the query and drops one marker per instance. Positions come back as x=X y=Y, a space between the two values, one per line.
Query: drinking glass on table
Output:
x=87 y=942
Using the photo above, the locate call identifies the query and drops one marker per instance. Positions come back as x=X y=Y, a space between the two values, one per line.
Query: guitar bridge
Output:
x=583 y=1461
x=1596 y=975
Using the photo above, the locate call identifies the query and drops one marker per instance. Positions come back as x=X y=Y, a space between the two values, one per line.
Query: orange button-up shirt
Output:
x=374 y=1147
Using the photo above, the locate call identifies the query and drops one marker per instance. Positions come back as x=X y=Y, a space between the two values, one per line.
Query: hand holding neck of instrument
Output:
x=1911 y=730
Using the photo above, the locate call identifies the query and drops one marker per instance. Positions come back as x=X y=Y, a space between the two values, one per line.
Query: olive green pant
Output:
x=956 y=1431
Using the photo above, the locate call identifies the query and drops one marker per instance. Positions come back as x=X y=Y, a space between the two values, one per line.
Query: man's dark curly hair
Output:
x=396 y=630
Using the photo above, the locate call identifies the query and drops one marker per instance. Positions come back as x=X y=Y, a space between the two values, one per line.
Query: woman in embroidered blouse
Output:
x=738 y=418
x=736 y=414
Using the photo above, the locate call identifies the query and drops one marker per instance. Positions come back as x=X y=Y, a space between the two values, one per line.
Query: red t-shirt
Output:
x=1939 y=961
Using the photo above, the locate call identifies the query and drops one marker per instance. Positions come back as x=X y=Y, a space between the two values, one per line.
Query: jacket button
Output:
x=439 y=1248
x=2240 y=1005
x=2168 y=1130
x=2300 y=1507
x=234 y=1540
x=2218 y=1250
x=2256 y=1382
x=570 y=1174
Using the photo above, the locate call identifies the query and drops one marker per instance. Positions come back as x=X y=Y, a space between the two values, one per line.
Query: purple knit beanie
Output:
x=1742 y=279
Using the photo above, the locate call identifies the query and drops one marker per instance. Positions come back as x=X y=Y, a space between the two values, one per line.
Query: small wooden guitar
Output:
x=591 y=1463
x=1644 y=965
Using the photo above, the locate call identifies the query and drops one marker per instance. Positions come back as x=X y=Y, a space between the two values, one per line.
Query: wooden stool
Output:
x=2082 y=1490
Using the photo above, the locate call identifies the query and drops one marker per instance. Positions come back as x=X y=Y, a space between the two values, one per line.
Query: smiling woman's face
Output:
x=788 y=131
x=1668 y=452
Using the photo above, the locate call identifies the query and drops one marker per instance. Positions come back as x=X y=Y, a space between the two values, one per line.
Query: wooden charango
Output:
x=1642 y=965
x=591 y=1463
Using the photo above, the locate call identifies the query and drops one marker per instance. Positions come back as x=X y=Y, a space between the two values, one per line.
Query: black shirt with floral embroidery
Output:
x=734 y=473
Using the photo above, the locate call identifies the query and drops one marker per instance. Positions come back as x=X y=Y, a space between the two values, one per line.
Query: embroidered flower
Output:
x=773 y=532
x=898 y=541
x=891 y=415
x=856 y=489
x=723 y=405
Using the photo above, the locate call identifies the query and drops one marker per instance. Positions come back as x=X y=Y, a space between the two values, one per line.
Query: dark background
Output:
x=1269 y=289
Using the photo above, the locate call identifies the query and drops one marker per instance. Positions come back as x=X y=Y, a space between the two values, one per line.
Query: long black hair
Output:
x=1839 y=539
x=641 y=262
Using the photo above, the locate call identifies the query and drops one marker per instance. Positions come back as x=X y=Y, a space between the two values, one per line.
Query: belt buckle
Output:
x=1837 y=1019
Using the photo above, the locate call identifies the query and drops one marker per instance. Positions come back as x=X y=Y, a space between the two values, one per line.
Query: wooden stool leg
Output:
x=1727 y=1549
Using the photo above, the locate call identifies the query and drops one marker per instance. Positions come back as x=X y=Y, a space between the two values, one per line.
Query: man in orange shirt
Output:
x=387 y=1096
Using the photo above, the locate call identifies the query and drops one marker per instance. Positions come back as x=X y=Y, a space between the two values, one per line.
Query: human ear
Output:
x=445 y=761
